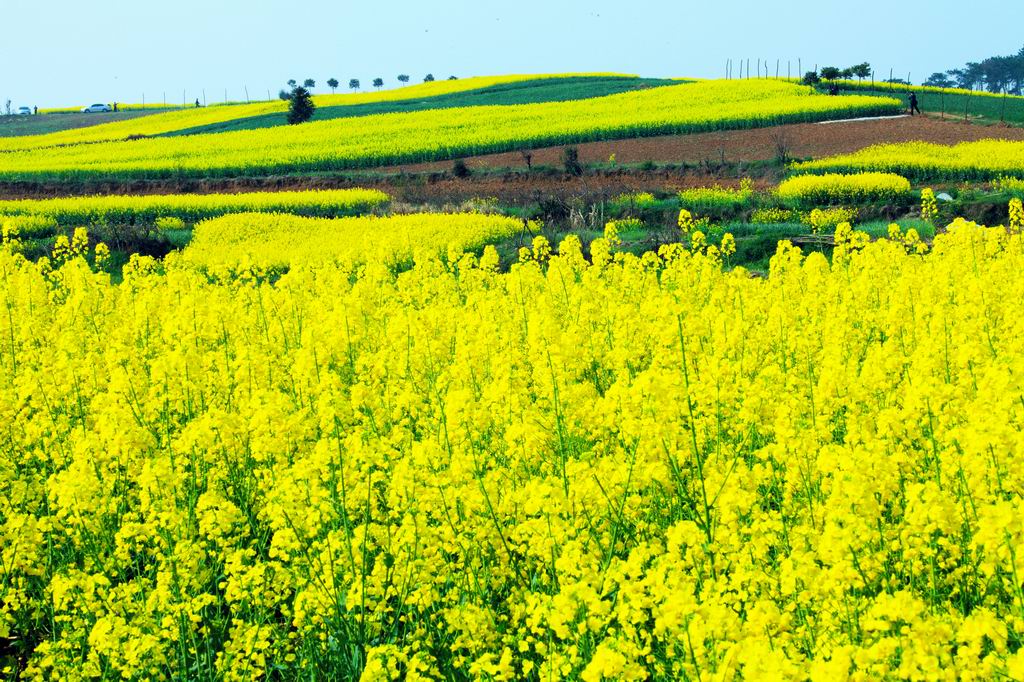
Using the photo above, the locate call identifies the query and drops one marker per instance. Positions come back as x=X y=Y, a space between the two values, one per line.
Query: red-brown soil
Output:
x=804 y=140
x=514 y=186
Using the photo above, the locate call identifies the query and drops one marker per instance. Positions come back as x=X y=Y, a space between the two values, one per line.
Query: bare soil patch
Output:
x=513 y=186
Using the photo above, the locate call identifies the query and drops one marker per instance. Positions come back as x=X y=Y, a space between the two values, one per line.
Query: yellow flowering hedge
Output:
x=640 y=467
x=383 y=139
x=194 y=207
x=717 y=197
x=266 y=244
x=833 y=188
x=982 y=160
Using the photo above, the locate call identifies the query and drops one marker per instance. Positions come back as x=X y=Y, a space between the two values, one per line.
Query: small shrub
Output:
x=571 y=161
x=300 y=106
x=811 y=78
x=967 y=192
x=460 y=169
x=780 y=138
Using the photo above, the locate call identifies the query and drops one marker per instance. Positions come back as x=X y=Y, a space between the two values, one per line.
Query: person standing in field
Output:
x=197 y=102
x=913 y=104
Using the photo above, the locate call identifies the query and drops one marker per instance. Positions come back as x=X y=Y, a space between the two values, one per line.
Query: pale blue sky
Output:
x=70 y=52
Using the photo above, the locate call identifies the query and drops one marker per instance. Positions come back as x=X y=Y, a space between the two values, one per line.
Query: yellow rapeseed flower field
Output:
x=833 y=188
x=982 y=160
x=267 y=244
x=625 y=468
x=193 y=207
x=190 y=117
x=383 y=139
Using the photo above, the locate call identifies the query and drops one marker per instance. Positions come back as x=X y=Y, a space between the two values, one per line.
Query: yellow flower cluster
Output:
x=377 y=140
x=772 y=215
x=831 y=189
x=717 y=197
x=640 y=467
x=191 y=208
x=929 y=205
x=825 y=219
x=910 y=239
x=270 y=243
x=982 y=160
x=1016 y=214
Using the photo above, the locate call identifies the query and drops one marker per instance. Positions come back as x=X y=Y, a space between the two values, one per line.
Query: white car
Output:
x=96 y=109
x=24 y=111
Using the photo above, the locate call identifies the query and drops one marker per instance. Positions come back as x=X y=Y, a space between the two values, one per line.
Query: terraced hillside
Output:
x=106 y=127
x=383 y=139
